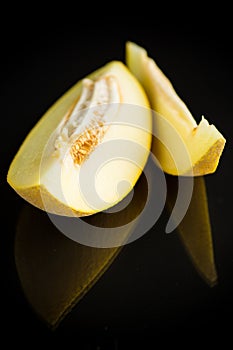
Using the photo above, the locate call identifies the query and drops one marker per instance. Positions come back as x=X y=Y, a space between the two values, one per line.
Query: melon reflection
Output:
x=56 y=272
x=195 y=228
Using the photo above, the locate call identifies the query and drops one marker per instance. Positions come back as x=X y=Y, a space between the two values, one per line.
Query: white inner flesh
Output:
x=112 y=149
x=73 y=182
x=89 y=114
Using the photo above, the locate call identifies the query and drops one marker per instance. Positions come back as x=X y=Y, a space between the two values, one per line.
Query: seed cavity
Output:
x=84 y=127
x=86 y=143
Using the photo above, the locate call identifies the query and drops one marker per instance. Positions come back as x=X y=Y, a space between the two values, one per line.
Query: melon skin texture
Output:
x=110 y=108
x=181 y=147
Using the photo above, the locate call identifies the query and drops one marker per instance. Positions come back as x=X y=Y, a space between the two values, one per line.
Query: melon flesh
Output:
x=88 y=150
x=181 y=147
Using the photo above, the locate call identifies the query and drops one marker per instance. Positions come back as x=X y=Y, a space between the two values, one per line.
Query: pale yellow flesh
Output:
x=54 y=190
x=202 y=144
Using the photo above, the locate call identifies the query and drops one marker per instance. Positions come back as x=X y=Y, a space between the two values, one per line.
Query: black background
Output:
x=148 y=293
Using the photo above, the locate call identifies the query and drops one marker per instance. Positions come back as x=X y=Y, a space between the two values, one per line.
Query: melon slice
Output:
x=181 y=147
x=88 y=150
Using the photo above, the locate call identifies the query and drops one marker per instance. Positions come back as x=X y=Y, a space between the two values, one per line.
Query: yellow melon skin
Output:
x=26 y=174
x=181 y=146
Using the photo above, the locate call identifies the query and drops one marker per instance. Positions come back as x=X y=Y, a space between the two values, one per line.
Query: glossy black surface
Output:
x=152 y=290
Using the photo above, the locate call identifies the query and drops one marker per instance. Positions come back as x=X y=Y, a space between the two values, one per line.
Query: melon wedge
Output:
x=181 y=147
x=88 y=150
